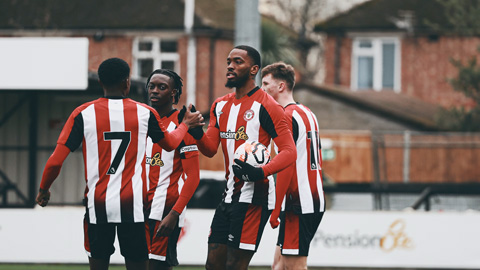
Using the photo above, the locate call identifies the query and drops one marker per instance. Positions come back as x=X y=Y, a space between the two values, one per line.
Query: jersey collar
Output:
x=115 y=97
x=253 y=91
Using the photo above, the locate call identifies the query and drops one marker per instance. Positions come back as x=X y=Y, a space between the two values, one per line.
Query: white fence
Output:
x=344 y=239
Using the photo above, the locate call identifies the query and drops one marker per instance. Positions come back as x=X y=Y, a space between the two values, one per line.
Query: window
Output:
x=376 y=64
x=150 y=53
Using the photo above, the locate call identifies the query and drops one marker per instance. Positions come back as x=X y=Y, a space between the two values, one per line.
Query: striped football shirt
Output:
x=254 y=117
x=305 y=192
x=113 y=132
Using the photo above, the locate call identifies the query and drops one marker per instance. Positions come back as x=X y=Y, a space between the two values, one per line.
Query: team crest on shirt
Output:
x=155 y=160
x=248 y=115
x=238 y=135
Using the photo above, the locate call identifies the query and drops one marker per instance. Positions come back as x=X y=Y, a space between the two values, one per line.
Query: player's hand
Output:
x=274 y=222
x=247 y=172
x=168 y=224
x=181 y=114
x=43 y=197
x=193 y=119
x=196 y=132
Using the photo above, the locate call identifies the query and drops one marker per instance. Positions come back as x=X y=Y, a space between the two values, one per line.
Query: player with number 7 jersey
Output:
x=113 y=131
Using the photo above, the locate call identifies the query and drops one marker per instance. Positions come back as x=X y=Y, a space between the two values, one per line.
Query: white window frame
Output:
x=155 y=54
x=376 y=52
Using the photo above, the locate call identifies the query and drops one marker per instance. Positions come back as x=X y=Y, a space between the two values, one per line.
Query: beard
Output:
x=240 y=81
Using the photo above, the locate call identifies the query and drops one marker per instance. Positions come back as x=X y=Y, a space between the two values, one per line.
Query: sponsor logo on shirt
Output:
x=155 y=160
x=188 y=148
x=238 y=135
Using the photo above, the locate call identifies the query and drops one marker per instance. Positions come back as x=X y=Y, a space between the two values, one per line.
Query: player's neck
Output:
x=285 y=99
x=164 y=110
x=113 y=93
x=245 y=89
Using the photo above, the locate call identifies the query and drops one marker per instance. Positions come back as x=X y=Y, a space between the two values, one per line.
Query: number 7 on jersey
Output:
x=118 y=135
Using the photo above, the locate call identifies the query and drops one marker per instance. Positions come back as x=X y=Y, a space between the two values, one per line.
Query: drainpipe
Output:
x=191 y=51
x=338 y=46
x=211 y=77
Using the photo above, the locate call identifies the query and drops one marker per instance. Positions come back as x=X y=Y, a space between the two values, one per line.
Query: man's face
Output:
x=160 y=90
x=238 y=68
x=271 y=86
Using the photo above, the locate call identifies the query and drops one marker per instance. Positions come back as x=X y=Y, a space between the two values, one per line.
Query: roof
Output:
x=387 y=104
x=112 y=14
x=388 y=15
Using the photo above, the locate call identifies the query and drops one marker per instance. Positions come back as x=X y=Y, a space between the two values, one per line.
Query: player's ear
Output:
x=281 y=86
x=174 y=93
x=254 y=70
x=126 y=86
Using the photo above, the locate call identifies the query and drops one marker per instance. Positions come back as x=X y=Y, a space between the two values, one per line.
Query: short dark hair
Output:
x=252 y=53
x=281 y=71
x=113 y=71
x=177 y=81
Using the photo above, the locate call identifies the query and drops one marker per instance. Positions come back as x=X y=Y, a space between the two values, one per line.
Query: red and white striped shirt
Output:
x=168 y=187
x=114 y=132
x=255 y=117
x=305 y=190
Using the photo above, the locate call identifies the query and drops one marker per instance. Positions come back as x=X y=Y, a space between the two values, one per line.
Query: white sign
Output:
x=42 y=63
x=344 y=239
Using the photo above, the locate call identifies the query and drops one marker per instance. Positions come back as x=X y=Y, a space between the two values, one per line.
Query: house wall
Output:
x=345 y=60
x=206 y=63
x=121 y=46
x=425 y=66
x=116 y=46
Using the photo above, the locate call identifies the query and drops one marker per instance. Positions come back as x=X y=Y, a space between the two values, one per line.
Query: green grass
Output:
x=69 y=267
x=85 y=267
x=122 y=267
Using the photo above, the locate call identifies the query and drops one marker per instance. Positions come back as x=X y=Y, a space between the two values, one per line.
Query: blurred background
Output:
x=395 y=85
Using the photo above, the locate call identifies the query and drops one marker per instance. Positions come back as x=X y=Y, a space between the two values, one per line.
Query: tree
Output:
x=461 y=17
x=467 y=82
x=277 y=44
x=300 y=16
x=462 y=20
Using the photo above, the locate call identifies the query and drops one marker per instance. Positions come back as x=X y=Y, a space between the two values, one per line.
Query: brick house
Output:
x=147 y=34
x=387 y=72
x=390 y=45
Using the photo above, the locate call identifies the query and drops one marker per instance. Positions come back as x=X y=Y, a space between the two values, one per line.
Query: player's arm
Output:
x=171 y=140
x=69 y=140
x=50 y=173
x=190 y=164
x=191 y=167
x=286 y=152
x=284 y=178
x=208 y=142
x=274 y=123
